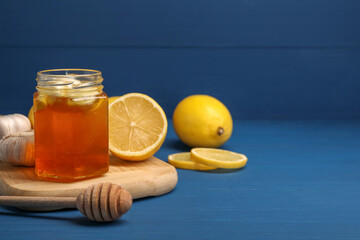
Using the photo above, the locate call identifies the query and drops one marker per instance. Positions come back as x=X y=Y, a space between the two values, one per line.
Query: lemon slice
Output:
x=137 y=127
x=218 y=158
x=183 y=160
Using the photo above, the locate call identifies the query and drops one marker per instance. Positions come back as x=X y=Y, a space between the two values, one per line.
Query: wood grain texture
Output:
x=98 y=202
x=31 y=202
x=152 y=177
x=158 y=23
x=301 y=182
x=264 y=59
x=252 y=83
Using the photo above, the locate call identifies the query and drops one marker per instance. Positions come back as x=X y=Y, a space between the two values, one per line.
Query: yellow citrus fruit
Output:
x=202 y=121
x=183 y=160
x=111 y=99
x=218 y=157
x=137 y=127
x=31 y=112
x=31 y=116
x=44 y=100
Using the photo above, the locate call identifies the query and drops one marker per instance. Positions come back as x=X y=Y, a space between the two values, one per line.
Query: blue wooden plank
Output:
x=158 y=23
x=263 y=84
x=301 y=182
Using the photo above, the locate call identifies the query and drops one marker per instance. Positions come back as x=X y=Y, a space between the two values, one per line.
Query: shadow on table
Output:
x=224 y=170
x=83 y=221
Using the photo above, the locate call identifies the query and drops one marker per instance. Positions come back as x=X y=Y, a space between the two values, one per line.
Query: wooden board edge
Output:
x=167 y=181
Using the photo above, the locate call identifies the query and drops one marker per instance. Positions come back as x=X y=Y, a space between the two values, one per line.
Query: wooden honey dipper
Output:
x=102 y=202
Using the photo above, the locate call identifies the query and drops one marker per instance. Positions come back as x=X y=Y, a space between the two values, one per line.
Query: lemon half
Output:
x=137 y=127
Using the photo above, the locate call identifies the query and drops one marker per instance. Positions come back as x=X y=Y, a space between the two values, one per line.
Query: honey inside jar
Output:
x=71 y=127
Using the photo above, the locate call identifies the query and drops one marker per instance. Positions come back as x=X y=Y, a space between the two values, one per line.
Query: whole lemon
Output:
x=111 y=99
x=202 y=121
x=31 y=116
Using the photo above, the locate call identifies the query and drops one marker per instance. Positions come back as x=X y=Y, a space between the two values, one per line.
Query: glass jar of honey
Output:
x=71 y=125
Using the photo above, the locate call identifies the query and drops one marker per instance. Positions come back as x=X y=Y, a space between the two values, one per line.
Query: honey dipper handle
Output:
x=38 y=202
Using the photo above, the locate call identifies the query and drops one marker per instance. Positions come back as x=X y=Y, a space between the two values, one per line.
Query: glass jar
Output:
x=71 y=125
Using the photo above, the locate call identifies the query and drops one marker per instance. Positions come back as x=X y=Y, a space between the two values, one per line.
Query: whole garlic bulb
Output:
x=13 y=123
x=18 y=149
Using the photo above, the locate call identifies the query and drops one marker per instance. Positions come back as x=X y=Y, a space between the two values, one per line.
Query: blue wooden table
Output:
x=302 y=181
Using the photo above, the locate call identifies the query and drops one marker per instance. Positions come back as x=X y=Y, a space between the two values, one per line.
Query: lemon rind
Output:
x=149 y=151
x=188 y=165
x=218 y=163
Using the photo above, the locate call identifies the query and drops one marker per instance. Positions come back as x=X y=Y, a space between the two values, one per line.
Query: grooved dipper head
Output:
x=104 y=202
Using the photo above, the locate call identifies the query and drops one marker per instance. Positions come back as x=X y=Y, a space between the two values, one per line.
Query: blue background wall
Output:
x=279 y=59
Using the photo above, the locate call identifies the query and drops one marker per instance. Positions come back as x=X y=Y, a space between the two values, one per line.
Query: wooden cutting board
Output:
x=152 y=177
